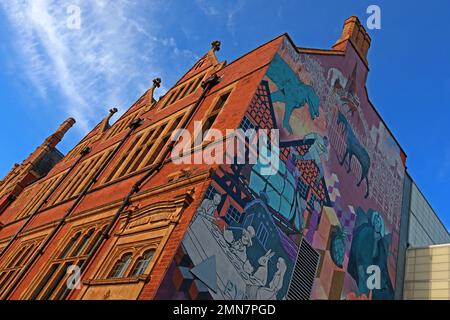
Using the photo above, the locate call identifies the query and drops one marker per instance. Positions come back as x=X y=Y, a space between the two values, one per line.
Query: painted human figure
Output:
x=239 y=247
x=378 y=226
x=275 y=285
x=370 y=246
x=208 y=207
x=260 y=275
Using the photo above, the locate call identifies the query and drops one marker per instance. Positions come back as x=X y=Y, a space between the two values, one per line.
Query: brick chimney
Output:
x=354 y=33
x=57 y=136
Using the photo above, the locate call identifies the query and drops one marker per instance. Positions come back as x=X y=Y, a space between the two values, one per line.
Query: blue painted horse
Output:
x=291 y=90
x=355 y=148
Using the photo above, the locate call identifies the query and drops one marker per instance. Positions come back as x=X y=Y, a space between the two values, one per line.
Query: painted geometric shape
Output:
x=182 y=259
x=182 y=278
x=334 y=193
x=207 y=273
x=331 y=215
x=352 y=210
x=198 y=291
x=332 y=180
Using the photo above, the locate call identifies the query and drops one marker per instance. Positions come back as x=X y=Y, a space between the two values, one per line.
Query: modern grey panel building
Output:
x=425 y=227
x=424 y=255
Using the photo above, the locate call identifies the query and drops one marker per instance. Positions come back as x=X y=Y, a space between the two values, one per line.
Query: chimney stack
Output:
x=59 y=134
x=354 y=33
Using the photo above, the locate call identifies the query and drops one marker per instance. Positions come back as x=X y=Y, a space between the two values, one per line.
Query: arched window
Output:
x=53 y=282
x=142 y=263
x=121 y=266
x=83 y=243
x=96 y=239
x=24 y=256
x=69 y=245
x=13 y=261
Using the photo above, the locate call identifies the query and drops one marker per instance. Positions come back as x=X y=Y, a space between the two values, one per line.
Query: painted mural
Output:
x=338 y=188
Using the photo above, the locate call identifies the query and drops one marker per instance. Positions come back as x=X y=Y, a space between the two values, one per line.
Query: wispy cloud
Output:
x=209 y=8
x=227 y=10
x=112 y=57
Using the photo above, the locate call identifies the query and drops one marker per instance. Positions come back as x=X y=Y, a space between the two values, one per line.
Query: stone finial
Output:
x=215 y=45
x=156 y=83
x=105 y=122
x=150 y=92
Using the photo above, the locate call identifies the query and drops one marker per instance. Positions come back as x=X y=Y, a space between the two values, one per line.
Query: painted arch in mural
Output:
x=339 y=187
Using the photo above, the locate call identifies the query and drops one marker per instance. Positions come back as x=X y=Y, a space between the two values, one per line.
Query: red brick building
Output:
x=119 y=209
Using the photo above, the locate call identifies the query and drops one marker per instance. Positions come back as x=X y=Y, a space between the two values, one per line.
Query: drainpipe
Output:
x=207 y=85
x=135 y=124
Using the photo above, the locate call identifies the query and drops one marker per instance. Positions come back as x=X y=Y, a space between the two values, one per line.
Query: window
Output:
x=177 y=95
x=129 y=156
x=246 y=124
x=133 y=157
x=70 y=245
x=83 y=243
x=96 y=239
x=155 y=153
x=15 y=264
x=209 y=121
x=56 y=282
x=188 y=89
x=77 y=150
x=82 y=176
x=20 y=257
x=232 y=215
x=262 y=235
x=74 y=253
x=166 y=102
x=122 y=124
x=121 y=266
x=44 y=189
x=145 y=149
x=183 y=91
x=210 y=192
x=44 y=281
x=196 y=83
x=142 y=264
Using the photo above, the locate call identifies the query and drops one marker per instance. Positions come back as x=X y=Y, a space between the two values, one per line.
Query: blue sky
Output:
x=49 y=72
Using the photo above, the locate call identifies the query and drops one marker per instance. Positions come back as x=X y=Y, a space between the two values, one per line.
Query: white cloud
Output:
x=226 y=9
x=110 y=59
x=208 y=7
